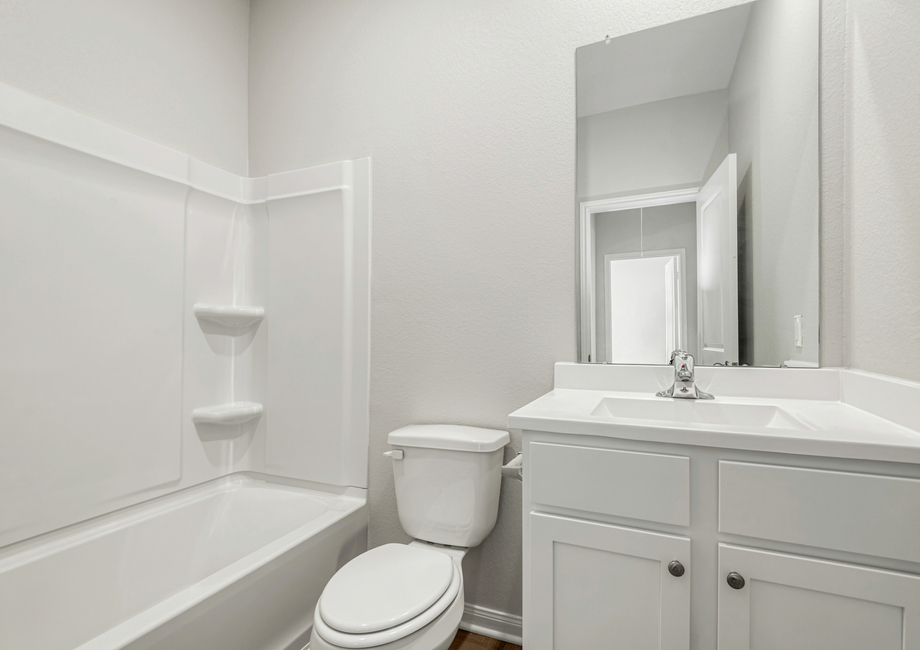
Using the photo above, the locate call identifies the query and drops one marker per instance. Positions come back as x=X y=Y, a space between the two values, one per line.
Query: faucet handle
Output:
x=677 y=353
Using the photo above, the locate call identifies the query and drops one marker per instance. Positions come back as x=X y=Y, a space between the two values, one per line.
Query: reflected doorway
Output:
x=645 y=306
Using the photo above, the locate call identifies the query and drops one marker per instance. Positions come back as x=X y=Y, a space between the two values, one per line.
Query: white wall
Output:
x=172 y=71
x=670 y=144
x=883 y=175
x=773 y=127
x=468 y=110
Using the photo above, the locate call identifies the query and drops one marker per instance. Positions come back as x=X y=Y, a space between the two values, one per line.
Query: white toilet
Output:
x=410 y=596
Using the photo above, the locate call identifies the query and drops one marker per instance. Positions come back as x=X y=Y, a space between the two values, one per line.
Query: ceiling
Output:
x=683 y=58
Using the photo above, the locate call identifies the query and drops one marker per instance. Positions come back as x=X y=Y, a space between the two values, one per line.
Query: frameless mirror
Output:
x=698 y=189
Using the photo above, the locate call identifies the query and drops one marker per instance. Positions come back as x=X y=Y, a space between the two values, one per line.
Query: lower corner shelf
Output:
x=231 y=413
x=228 y=319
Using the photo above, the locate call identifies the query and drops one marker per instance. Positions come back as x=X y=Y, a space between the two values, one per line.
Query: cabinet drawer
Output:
x=860 y=513
x=650 y=487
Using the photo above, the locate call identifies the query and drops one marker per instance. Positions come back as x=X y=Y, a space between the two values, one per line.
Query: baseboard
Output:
x=490 y=622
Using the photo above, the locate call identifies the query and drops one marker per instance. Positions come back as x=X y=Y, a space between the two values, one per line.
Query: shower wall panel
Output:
x=225 y=260
x=109 y=246
x=91 y=261
x=319 y=245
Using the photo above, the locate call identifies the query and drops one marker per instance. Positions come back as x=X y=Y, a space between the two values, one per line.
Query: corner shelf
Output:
x=227 y=414
x=228 y=319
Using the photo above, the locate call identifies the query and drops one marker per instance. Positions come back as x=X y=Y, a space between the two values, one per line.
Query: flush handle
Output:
x=396 y=454
x=676 y=569
x=735 y=581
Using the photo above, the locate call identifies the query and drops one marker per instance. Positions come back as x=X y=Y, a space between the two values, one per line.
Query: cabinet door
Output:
x=599 y=586
x=790 y=602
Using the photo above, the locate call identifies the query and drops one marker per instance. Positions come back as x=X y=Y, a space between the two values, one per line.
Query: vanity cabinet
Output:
x=774 y=551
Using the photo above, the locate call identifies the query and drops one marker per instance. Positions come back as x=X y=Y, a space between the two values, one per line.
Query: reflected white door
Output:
x=717 y=263
x=644 y=307
x=671 y=307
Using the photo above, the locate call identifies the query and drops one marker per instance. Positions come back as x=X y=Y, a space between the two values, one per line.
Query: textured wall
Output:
x=172 y=71
x=468 y=110
x=883 y=165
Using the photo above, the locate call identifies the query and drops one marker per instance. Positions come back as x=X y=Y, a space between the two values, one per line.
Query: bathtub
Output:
x=233 y=564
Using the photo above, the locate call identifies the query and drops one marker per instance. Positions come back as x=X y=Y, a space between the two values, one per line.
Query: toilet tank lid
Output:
x=449 y=436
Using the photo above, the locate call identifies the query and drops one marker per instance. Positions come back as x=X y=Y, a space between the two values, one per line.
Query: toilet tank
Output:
x=448 y=481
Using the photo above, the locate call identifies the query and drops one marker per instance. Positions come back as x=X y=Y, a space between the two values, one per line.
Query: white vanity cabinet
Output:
x=789 y=601
x=823 y=553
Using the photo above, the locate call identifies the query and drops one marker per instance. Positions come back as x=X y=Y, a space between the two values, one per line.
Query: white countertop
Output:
x=847 y=414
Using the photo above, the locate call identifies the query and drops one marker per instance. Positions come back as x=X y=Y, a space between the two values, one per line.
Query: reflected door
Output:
x=717 y=263
x=644 y=307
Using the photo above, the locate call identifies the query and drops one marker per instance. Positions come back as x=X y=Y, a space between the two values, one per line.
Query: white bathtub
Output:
x=234 y=564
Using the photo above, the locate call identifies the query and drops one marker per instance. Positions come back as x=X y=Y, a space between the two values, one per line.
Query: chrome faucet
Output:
x=684 y=386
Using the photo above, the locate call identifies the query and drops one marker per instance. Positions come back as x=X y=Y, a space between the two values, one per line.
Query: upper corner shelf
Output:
x=228 y=319
x=227 y=414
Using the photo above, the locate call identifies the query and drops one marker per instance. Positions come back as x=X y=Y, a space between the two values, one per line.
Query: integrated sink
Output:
x=827 y=412
x=685 y=411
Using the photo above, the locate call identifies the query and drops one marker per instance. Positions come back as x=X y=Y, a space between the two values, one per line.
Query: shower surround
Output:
x=168 y=324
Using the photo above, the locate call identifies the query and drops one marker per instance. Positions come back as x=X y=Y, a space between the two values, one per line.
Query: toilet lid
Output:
x=385 y=587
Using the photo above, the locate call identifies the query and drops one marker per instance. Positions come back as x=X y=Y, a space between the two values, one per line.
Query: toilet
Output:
x=410 y=596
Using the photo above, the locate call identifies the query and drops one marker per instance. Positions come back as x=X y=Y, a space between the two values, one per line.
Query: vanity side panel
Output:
x=859 y=513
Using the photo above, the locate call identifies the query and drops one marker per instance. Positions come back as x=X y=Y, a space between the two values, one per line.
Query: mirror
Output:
x=698 y=189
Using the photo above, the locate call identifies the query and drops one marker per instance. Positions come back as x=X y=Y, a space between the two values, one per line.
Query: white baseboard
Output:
x=490 y=622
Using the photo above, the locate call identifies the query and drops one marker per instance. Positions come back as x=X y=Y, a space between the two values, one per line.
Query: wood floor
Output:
x=470 y=641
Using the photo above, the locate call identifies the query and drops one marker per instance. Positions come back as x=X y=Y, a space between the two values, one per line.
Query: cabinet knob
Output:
x=735 y=581
x=676 y=569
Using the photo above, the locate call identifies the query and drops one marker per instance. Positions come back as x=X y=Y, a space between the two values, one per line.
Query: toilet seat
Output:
x=385 y=587
x=382 y=577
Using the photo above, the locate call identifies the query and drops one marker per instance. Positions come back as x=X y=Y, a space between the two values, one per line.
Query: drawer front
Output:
x=860 y=513
x=649 y=487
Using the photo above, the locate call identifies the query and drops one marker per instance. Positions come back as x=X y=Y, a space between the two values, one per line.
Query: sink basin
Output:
x=679 y=411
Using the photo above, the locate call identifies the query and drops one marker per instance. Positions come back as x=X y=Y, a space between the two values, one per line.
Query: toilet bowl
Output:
x=410 y=596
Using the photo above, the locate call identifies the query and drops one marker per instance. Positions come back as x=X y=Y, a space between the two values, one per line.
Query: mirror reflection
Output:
x=698 y=189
